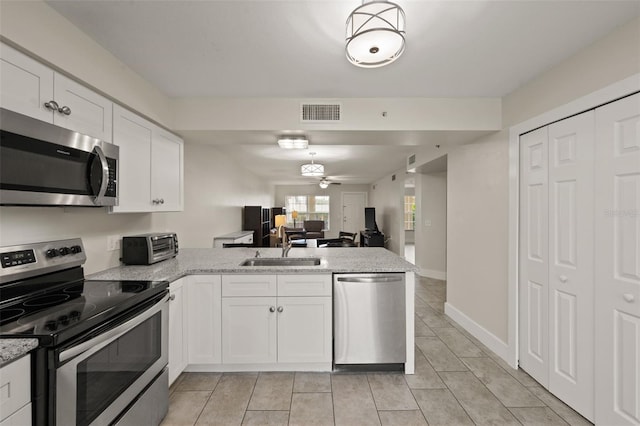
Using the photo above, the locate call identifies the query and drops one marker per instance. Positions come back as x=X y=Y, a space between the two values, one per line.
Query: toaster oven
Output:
x=147 y=249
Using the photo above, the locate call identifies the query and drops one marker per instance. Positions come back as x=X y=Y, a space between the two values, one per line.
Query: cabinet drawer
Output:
x=248 y=285
x=304 y=285
x=15 y=386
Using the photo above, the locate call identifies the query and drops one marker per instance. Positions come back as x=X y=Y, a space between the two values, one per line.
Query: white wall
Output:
x=335 y=201
x=215 y=190
x=37 y=28
x=431 y=225
x=387 y=196
x=477 y=282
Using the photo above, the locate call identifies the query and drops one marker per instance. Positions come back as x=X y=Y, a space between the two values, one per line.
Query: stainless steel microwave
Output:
x=46 y=165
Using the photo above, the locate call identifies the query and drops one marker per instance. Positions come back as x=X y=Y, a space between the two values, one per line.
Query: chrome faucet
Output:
x=285 y=248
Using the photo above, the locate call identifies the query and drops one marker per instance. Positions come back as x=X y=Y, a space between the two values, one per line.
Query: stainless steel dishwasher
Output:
x=369 y=318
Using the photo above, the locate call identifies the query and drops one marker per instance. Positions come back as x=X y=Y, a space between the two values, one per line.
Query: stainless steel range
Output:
x=102 y=352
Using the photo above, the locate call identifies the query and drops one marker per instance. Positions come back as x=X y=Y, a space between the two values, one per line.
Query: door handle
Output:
x=272 y=309
x=280 y=309
x=628 y=297
x=563 y=278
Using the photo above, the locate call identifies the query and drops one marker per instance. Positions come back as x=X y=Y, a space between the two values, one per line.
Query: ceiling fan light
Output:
x=312 y=169
x=293 y=143
x=324 y=184
x=375 y=34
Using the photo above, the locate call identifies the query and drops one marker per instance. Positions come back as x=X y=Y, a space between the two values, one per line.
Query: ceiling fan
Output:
x=324 y=183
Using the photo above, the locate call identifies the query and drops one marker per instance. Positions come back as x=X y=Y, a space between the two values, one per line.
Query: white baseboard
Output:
x=487 y=338
x=432 y=273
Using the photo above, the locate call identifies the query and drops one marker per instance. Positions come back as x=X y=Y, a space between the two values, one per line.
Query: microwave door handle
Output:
x=105 y=173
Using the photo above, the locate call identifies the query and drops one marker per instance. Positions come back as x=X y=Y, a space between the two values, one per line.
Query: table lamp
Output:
x=280 y=220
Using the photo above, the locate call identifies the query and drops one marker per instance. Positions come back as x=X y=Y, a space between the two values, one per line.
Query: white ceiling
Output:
x=295 y=48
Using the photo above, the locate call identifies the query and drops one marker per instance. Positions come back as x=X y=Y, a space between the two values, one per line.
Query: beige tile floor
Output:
x=458 y=381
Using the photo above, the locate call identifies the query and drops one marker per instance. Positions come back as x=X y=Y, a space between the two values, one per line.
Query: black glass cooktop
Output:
x=55 y=313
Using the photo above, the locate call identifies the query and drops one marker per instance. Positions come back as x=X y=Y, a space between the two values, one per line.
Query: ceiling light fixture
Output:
x=312 y=169
x=375 y=34
x=288 y=142
x=324 y=183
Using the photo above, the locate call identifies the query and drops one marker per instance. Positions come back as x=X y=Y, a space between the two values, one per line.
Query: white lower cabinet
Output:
x=177 y=329
x=249 y=330
x=276 y=319
x=15 y=387
x=204 y=319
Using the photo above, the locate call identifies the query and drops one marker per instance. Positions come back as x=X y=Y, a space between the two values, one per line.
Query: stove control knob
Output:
x=64 y=251
x=51 y=253
x=50 y=325
x=76 y=249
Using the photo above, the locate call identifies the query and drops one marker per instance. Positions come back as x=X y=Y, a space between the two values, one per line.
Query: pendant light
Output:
x=375 y=34
x=312 y=169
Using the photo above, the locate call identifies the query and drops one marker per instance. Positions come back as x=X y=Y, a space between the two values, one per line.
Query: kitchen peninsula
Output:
x=209 y=286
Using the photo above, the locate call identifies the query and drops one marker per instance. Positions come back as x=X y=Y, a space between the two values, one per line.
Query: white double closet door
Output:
x=579 y=260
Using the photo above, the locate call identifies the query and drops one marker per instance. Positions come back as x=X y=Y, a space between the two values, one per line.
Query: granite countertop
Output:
x=11 y=349
x=227 y=261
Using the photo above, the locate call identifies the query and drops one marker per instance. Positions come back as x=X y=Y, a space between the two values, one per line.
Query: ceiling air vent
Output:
x=320 y=113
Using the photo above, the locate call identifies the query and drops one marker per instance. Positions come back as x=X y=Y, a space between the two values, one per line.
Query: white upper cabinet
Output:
x=151 y=165
x=25 y=84
x=31 y=88
x=83 y=110
x=166 y=171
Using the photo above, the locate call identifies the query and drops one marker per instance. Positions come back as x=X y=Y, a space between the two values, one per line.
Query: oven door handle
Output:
x=108 y=336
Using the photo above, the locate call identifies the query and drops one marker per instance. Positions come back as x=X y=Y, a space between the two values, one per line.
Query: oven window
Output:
x=102 y=377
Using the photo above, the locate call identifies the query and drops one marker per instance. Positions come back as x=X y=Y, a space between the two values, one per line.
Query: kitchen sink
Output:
x=282 y=261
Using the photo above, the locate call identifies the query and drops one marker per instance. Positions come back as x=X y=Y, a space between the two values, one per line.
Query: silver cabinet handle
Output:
x=65 y=110
x=52 y=105
x=172 y=297
x=280 y=309
x=563 y=278
x=272 y=309
x=161 y=200
x=628 y=297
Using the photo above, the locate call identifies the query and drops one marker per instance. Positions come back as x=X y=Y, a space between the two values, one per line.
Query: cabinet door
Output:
x=177 y=335
x=133 y=135
x=304 y=329
x=21 y=417
x=617 y=271
x=204 y=319
x=25 y=84
x=249 y=330
x=166 y=171
x=15 y=383
x=90 y=113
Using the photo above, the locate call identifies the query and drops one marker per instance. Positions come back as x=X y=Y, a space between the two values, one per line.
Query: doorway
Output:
x=409 y=219
x=353 y=204
x=431 y=218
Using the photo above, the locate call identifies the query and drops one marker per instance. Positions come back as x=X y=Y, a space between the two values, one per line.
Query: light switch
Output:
x=427 y=222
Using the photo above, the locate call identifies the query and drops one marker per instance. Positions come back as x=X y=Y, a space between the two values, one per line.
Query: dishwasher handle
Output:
x=369 y=280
